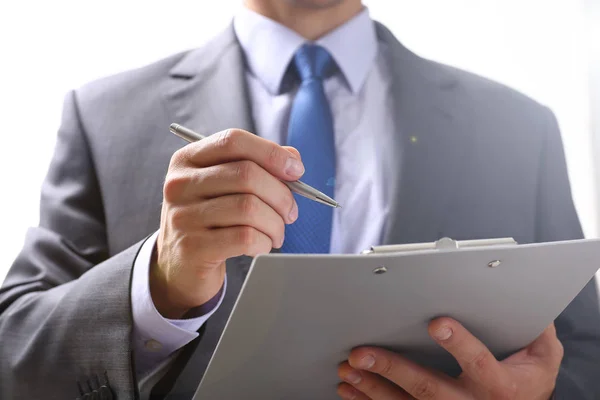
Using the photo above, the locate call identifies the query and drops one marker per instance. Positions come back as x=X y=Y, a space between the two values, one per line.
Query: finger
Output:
x=293 y=151
x=190 y=184
x=476 y=361
x=236 y=145
x=419 y=382
x=239 y=210
x=371 y=385
x=547 y=346
x=346 y=391
x=222 y=244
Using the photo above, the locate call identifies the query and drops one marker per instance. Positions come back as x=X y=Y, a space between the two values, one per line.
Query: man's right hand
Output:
x=222 y=198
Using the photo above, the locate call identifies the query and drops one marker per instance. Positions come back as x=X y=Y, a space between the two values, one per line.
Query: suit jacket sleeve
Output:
x=65 y=314
x=578 y=327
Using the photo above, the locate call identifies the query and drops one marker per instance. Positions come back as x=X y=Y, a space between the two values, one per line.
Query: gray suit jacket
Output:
x=487 y=162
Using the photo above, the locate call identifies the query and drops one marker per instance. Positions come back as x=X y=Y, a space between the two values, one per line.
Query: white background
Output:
x=49 y=47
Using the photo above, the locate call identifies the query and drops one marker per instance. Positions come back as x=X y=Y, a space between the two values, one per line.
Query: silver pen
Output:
x=297 y=187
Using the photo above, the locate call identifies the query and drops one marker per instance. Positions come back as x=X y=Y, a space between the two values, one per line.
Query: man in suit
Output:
x=126 y=284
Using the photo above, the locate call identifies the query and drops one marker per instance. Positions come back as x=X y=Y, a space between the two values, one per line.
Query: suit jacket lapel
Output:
x=428 y=142
x=207 y=91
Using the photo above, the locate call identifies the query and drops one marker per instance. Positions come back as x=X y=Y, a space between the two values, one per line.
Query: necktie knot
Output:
x=313 y=62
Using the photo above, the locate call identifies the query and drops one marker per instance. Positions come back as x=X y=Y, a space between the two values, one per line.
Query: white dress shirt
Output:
x=361 y=103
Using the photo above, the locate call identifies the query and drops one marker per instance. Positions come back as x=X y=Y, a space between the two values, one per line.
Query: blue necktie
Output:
x=311 y=132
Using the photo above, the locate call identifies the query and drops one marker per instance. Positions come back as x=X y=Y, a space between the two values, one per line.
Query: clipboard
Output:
x=298 y=316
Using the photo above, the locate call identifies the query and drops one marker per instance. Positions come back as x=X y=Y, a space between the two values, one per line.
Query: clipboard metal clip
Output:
x=442 y=244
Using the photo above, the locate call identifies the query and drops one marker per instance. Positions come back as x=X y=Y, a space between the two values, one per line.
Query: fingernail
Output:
x=294 y=212
x=294 y=167
x=282 y=240
x=366 y=362
x=444 y=333
x=353 y=377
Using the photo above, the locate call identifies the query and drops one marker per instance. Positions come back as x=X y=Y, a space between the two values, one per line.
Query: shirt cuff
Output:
x=155 y=337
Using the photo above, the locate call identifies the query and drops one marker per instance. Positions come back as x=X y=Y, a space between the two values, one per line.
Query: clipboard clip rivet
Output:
x=494 y=264
x=380 y=270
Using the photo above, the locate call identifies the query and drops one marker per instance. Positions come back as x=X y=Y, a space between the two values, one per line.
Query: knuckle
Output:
x=245 y=172
x=179 y=218
x=174 y=186
x=248 y=205
x=247 y=237
x=178 y=157
x=228 y=139
x=387 y=367
x=275 y=155
x=425 y=389
x=480 y=363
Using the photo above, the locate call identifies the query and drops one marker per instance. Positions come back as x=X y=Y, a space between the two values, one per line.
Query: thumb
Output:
x=547 y=345
x=294 y=152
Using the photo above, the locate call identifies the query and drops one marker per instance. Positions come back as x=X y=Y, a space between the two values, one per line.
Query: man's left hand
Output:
x=377 y=374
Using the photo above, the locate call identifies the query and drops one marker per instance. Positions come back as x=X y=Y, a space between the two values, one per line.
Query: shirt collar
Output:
x=269 y=47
